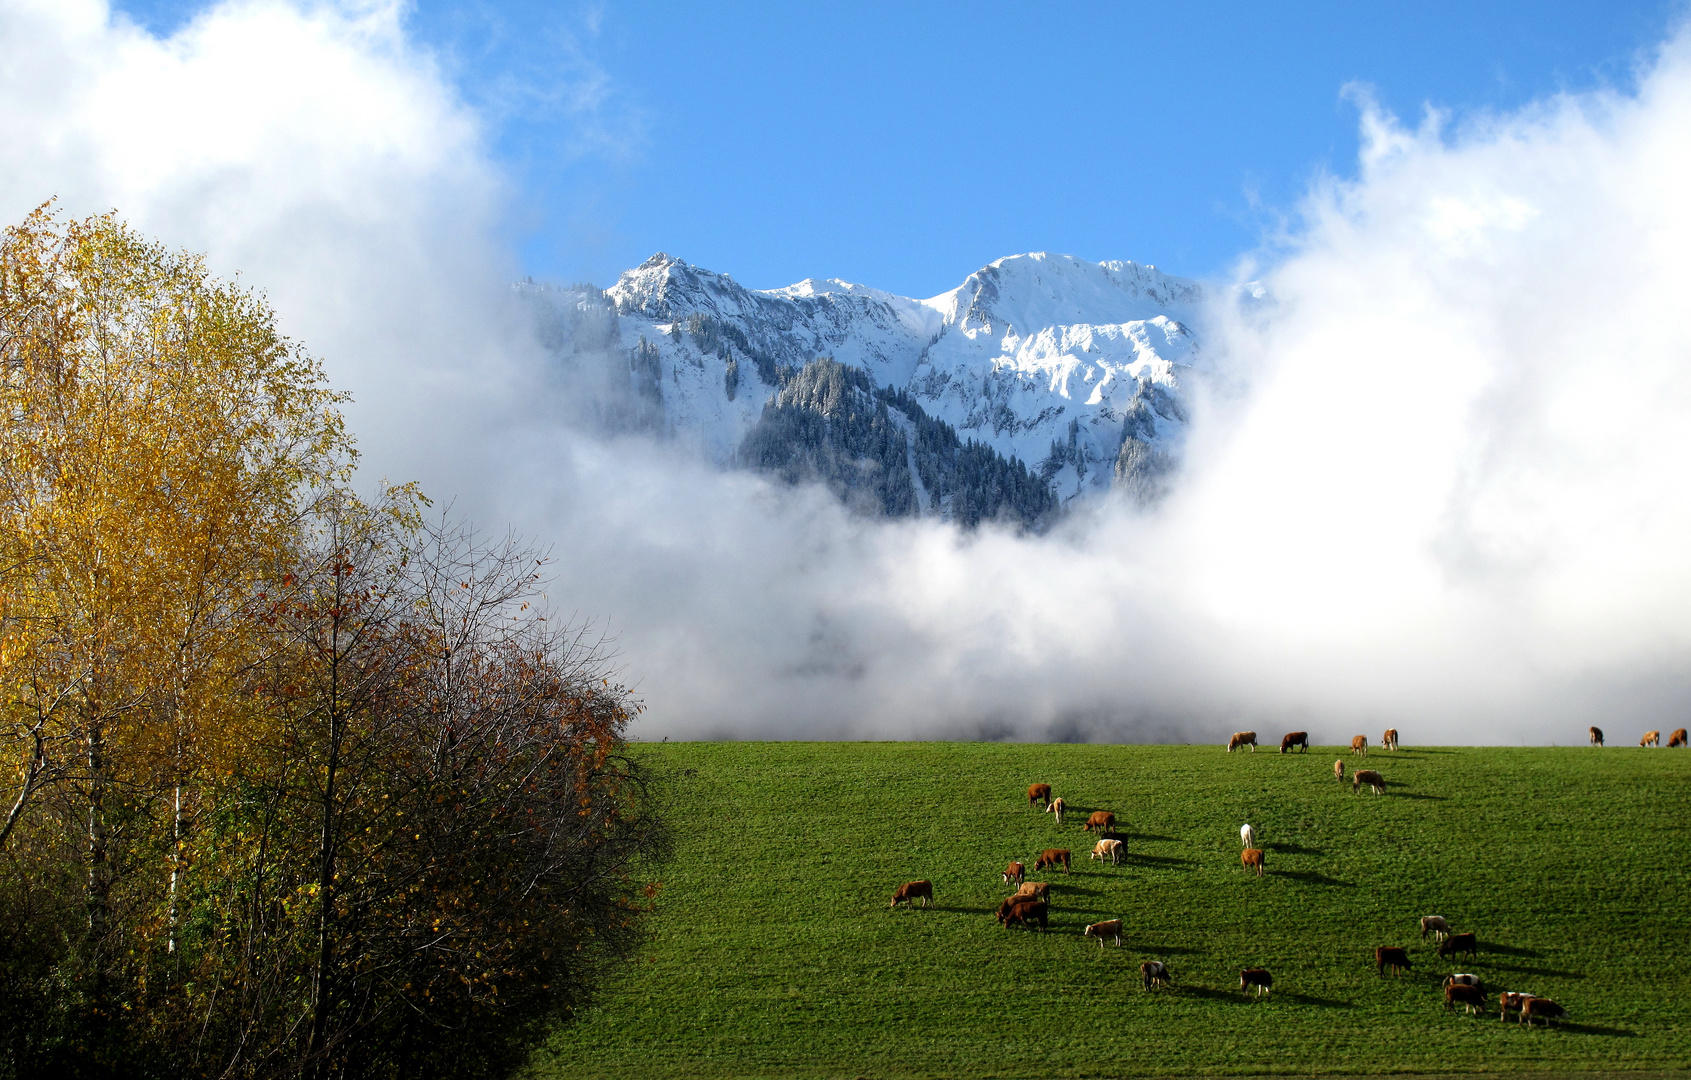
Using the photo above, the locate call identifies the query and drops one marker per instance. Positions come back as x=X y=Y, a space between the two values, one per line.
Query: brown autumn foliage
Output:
x=302 y=786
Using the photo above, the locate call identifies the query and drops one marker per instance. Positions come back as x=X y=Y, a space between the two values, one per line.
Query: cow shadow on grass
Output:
x=1294 y=849
x=1597 y=1029
x=1157 y=860
x=1150 y=836
x=1528 y=969
x=1509 y=950
x=1420 y=795
x=1164 y=950
x=1312 y=877
x=1239 y=997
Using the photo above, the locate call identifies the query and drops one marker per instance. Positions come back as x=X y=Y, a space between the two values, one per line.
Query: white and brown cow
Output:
x=1110 y=928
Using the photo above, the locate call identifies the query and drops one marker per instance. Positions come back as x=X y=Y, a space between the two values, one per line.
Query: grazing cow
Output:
x=1014 y=873
x=1596 y=735
x=913 y=891
x=1676 y=739
x=1651 y=738
x=1510 y=1000
x=1052 y=857
x=1243 y=738
x=1247 y=835
x=1461 y=979
x=1257 y=979
x=1537 y=1008
x=1359 y=744
x=1028 y=913
x=1154 y=974
x=1369 y=777
x=1108 y=849
x=1252 y=857
x=1339 y=770
x=1008 y=903
x=1389 y=740
x=1436 y=926
x=1101 y=821
x=1471 y=998
x=1390 y=956
x=1101 y=930
x=1039 y=793
x=1296 y=738
x=1459 y=943
x=1056 y=807
x=1033 y=890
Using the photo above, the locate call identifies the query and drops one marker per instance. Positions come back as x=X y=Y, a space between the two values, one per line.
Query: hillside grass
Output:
x=774 y=953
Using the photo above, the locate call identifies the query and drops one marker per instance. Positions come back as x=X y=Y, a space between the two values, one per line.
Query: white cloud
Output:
x=1455 y=498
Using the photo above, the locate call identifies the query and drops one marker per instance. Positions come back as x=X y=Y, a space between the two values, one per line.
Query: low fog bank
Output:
x=1447 y=492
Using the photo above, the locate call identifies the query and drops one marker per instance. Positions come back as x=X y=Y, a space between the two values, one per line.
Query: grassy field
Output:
x=775 y=955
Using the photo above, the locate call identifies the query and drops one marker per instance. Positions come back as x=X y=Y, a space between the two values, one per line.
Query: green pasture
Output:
x=774 y=953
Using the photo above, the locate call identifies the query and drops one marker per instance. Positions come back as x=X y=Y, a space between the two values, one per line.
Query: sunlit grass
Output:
x=775 y=954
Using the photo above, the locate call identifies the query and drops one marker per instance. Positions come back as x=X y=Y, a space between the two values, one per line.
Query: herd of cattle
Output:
x=1029 y=905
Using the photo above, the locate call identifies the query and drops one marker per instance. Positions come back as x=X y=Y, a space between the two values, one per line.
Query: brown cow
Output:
x=1007 y=903
x=1651 y=738
x=913 y=891
x=1359 y=744
x=1039 y=792
x=1459 y=943
x=1154 y=973
x=1596 y=735
x=1056 y=806
x=1296 y=738
x=1033 y=890
x=1027 y=913
x=1257 y=979
x=1510 y=1000
x=1243 y=738
x=1537 y=1008
x=1110 y=928
x=1252 y=857
x=1389 y=741
x=1052 y=857
x=1471 y=998
x=1014 y=873
x=1676 y=739
x=1369 y=777
x=1390 y=956
x=1339 y=770
x=1100 y=821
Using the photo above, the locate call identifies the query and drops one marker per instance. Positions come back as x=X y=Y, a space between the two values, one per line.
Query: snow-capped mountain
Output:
x=1070 y=367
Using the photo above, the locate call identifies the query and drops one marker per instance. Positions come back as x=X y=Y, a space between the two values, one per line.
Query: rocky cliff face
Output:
x=1040 y=380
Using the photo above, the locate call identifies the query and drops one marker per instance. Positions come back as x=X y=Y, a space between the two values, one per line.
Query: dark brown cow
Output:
x=1251 y=857
x=1243 y=738
x=1389 y=741
x=1471 y=998
x=1100 y=821
x=1052 y=857
x=1676 y=739
x=1459 y=943
x=1154 y=973
x=1027 y=913
x=1039 y=793
x=1369 y=777
x=1296 y=738
x=1596 y=735
x=1537 y=1008
x=1014 y=873
x=1359 y=744
x=1390 y=956
x=913 y=891
x=1008 y=903
x=1257 y=979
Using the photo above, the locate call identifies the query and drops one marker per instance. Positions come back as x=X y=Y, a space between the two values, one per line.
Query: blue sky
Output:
x=903 y=146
